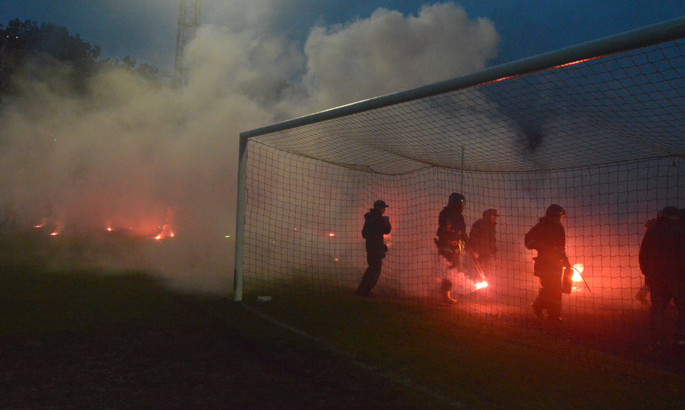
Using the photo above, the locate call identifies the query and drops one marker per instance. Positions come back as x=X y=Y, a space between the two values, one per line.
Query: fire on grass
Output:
x=144 y=229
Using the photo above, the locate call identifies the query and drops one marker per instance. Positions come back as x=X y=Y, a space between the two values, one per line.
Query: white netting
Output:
x=601 y=137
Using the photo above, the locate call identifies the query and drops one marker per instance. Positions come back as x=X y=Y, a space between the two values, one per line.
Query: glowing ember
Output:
x=54 y=234
x=481 y=285
x=331 y=234
x=166 y=233
x=109 y=229
x=577 y=270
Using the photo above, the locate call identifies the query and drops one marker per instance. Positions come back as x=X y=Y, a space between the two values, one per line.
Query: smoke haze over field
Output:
x=134 y=157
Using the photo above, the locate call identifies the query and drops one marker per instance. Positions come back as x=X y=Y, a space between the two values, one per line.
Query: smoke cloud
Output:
x=134 y=157
x=389 y=52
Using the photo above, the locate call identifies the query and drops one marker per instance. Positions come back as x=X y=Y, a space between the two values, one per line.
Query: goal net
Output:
x=598 y=129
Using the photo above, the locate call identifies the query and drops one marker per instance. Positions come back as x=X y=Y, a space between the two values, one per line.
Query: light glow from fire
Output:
x=481 y=285
x=577 y=270
x=166 y=233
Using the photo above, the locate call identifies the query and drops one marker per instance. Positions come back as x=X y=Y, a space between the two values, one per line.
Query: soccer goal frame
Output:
x=647 y=177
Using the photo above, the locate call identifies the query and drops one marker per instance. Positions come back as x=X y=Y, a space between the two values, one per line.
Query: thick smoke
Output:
x=389 y=52
x=134 y=157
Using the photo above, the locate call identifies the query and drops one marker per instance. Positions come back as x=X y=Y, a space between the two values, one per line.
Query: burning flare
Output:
x=577 y=270
x=166 y=233
x=481 y=285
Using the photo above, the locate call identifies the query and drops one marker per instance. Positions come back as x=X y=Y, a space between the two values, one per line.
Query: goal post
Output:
x=598 y=128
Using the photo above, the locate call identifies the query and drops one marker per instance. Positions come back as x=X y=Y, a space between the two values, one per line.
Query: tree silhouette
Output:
x=37 y=53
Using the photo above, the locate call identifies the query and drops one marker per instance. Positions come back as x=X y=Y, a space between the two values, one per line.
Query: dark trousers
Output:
x=372 y=274
x=549 y=295
x=662 y=292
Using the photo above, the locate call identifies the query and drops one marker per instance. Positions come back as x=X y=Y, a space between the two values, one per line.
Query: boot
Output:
x=447 y=299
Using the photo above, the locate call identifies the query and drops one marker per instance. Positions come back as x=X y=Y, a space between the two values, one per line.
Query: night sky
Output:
x=146 y=29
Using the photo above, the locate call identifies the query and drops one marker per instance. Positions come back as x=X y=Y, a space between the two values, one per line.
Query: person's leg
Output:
x=445 y=290
x=371 y=275
x=555 y=293
x=661 y=297
x=679 y=299
x=549 y=295
x=542 y=300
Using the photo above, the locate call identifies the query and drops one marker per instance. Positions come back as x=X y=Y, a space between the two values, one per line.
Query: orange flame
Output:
x=166 y=233
x=577 y=270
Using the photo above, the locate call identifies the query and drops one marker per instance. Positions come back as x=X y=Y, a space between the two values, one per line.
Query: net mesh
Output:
x=601 y=137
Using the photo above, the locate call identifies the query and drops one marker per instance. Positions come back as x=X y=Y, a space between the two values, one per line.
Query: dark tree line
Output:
x=33 y=52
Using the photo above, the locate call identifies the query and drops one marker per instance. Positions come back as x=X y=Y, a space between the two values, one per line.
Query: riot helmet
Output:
x=555 y=212
x=456 y=199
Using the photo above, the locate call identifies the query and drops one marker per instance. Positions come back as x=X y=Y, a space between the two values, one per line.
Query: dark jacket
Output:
x=548 y=237
x=375 y=226
x=451 y=228
x=662 y=253
x=482 y=238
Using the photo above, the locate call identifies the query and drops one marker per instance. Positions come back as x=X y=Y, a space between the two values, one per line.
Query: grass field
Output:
x=82 y=339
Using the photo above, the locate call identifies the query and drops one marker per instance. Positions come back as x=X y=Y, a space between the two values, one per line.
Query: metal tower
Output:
x=188 y=22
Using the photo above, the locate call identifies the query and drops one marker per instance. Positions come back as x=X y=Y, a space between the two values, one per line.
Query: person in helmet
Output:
x=482 y=238
x=375 y=226
x=451 y=238
x=548 y=237
x=662 y=261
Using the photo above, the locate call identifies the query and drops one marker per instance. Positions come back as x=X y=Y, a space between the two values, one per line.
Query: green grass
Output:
x=43 y=302
x=481 y=366
x=417 y=348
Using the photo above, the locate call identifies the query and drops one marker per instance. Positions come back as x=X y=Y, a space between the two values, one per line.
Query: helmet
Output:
x=456 y=199
x=554 y=211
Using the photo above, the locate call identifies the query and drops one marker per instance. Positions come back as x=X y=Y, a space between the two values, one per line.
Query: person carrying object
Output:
x=548 y=237
x=451 y=238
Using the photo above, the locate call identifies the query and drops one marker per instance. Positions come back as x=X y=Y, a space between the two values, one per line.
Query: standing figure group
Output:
x=662 y=257
x=452 y=241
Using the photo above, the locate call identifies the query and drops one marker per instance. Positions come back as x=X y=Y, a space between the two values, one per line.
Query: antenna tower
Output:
x=188 y=22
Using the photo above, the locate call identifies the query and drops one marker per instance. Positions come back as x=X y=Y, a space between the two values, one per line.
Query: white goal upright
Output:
x=597 y=128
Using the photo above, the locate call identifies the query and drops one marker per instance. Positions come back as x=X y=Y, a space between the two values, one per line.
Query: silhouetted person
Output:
x=375 y=226
x=662 y=261
x=452 y=238
x=549 y=239
x=644 y=290
x=482 y=238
